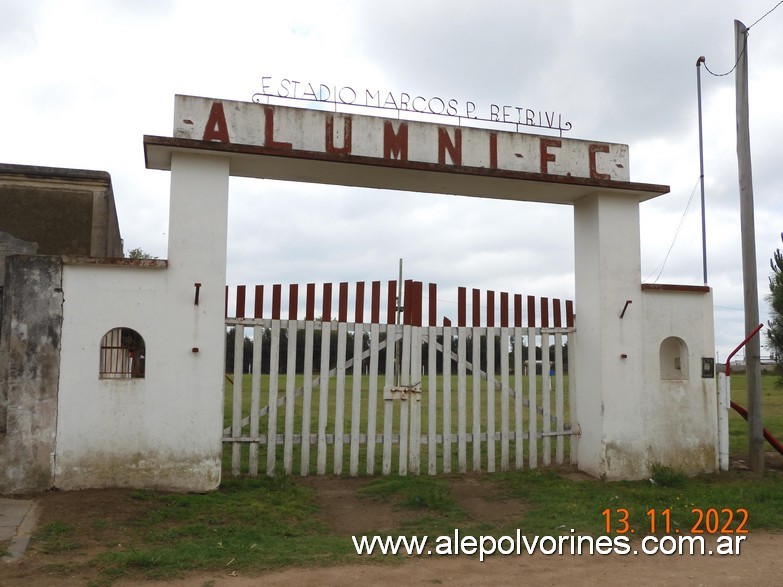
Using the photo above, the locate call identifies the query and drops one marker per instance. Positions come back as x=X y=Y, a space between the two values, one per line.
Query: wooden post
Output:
x=749 y=273
x=446 y=397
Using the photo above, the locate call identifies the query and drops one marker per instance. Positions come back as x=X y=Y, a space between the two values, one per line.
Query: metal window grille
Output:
x=122 y=354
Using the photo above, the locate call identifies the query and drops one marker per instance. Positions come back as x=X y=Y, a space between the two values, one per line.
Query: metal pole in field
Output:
x=699 y=61
x=749 y=273
x=398 y=353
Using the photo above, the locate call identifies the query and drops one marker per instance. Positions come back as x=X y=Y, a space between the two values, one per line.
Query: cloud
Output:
x=18 y=25
x=89 y=79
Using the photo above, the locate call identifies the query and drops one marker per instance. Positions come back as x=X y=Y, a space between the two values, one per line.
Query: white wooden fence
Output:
x=384 y=413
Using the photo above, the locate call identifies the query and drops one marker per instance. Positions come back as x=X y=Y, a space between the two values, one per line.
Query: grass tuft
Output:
x=57 y=537
x=667 y=476
x=414 y=492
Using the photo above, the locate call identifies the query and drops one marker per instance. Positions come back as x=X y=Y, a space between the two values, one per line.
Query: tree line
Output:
x=266 y=345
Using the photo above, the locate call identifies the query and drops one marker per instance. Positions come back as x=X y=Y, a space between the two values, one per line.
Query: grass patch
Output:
x=558 y=505
x=248 y=525
x=254 y=525
x=771 y=411
x=430 y=497
x=57 y=537
x=667 y=476
x=425 y=493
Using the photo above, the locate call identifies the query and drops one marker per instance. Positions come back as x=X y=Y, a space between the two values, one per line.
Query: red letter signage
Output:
x=592 y=150
x=546 y=156
x=395 y=144
x=445 y=144
x=216 y=128
x=347 y=126
x=493 y=150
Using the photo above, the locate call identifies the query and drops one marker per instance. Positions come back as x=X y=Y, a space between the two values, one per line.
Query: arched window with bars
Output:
x=122 y=354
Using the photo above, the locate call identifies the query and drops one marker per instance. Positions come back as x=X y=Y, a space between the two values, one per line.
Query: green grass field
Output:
x=771 y=409
x=379 y=416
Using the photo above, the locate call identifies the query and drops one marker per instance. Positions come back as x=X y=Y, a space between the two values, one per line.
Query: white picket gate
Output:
x=406 y=405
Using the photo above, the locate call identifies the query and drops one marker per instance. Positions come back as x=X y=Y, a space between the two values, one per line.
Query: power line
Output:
x=766 y=15
x=744 y=45
x=676 y=234
x=735 y=63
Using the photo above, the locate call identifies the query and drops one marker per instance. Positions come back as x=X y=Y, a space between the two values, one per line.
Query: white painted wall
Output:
x=682 y=414
x=163 y=431
x=629 y=417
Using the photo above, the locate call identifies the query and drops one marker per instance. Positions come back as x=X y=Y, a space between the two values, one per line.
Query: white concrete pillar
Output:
x=198 y=214
x=197 y=254
x=608 y=349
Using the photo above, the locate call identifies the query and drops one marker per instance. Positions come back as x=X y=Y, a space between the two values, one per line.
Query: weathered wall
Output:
x=162 y=431
x=64 y=211
x=63 y=426
x=30 y=337
x=9 y=245
x=681 y=409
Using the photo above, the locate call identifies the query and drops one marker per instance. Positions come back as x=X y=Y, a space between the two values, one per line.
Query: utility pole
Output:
x=749 y=272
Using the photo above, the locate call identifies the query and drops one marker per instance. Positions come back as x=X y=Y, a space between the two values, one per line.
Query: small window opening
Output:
x=674 y=359
x=122 y=354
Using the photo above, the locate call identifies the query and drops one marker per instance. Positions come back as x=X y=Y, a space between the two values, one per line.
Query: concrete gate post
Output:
x=197 y=255
x=609 y=341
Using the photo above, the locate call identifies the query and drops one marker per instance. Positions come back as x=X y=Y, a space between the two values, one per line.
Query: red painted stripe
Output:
x=569 y=313
x=493 y=150
x=375 y=305
x=418 y=318
x=462 y=306
x=276 y=295
x=310 y=302
x=293 y=301
x=240 y=311
x=503 y=309
x=407 y=312
x=342 y=302
x=490 y=308
x=391 y=302
x=258 y=303
x=433 y=309
x=326 y=314
x=476 y=307
x=556 y=312
x=545 y=312
x=531 y=311
x=518 y=310
x=359 y=312
x=446 y=321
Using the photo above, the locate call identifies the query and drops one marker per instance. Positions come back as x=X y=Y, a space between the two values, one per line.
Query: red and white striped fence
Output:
x=385 y=409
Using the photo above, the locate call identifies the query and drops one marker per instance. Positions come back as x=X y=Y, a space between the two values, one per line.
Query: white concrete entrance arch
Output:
x=164 y=430
x=619 y=395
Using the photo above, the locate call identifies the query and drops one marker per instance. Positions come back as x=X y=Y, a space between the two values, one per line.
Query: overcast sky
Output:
x=84 y=80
